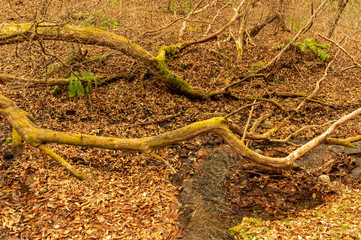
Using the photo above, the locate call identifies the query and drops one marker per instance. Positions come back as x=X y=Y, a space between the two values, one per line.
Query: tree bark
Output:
x=341 y=7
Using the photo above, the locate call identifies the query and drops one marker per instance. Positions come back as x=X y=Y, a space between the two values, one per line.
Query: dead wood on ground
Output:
x=36 y=136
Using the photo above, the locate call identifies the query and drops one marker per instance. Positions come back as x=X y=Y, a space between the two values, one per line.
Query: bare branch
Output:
x=162 y=28
x=341 y=7
x=13 y=33
x=184 y=25
x=247 y=124
x=343 y=50
x=216 y=15
x=37 y=136
x=285 y=48
x=239 y=109
x=62 y=161
x=222 y=29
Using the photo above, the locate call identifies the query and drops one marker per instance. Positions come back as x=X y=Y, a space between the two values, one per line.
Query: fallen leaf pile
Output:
x=40 y=201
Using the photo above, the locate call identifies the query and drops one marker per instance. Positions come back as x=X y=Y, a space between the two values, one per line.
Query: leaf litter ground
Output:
x=135 y=196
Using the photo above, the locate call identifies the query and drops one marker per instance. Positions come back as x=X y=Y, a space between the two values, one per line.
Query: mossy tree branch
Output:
x=13 y=33
x=36 y=136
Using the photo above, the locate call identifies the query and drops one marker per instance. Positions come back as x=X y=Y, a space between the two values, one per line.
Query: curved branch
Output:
x=285 y=48
x=13 y=33
x=62 y=161
x=36 y=136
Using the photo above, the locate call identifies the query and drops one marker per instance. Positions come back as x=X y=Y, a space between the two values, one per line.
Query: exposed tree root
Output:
x=347 y=142
x=226 y=88
x=165 y=162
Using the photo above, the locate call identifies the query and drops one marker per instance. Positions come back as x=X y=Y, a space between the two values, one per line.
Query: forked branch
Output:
x=13 y=33
x=37 y=136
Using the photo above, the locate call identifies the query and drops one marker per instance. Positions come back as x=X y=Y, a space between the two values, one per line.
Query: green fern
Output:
x=311 y=44
x=56 y=90
x=323 y=55
x=118 y=4
x=185 y=5
x=97 y=18
x=302 y=46
x=75 y=86
x=295 y=24
x=51 y=68
x=90 y=79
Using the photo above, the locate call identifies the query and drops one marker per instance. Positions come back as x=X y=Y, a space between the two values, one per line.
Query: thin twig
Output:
x=184 y=25
x=284 y=49
x=164 y=161
x=240 y=109
x=162 y=28
x=317 y=87
x=244 y=79
x=213 y=35
x=166 y=118
x=215 y=16
x=342 y=49
x=247 y=124
x=298 y=131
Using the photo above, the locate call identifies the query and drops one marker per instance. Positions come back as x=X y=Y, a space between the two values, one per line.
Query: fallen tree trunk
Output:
x=24 y=125
x=14 y=33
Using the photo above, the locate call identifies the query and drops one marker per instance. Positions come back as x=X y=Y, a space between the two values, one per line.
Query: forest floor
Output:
x=133 y=195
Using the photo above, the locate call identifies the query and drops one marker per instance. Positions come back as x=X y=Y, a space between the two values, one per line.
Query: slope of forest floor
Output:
x=133 y=195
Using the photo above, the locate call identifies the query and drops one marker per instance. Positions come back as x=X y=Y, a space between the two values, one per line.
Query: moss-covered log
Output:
x=13 y=33
x=36 y=136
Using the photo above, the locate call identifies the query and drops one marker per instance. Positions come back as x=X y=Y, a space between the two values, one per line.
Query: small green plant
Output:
x=118 y=4
x=195 y=29
x=79 y=16
x=185 y=5
x=76 y=87
x=184 y=65
x=316 y=48
x=248 y=228
x=98 y=18
x=56 y=90
x=295 y=24
x=8 y=141
x=256 y=66
x=104 y=58
x=308 y=43
x=279 y=47
x=90 y=80
x=51 y=68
